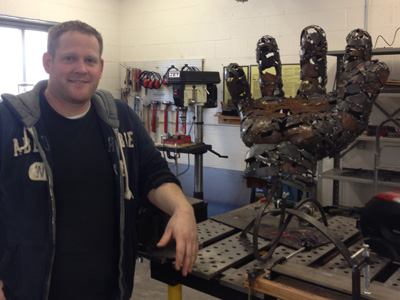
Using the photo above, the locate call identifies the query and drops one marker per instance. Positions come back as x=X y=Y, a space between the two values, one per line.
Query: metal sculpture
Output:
x=287 y=136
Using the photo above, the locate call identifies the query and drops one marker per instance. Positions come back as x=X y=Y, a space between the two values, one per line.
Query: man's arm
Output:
x=2 y=297
x=182 y=225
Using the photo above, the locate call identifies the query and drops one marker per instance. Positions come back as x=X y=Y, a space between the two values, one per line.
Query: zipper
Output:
x=49 y=173
x=122 y=215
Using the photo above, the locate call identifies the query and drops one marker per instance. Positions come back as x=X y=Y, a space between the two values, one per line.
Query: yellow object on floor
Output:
x=175 y=292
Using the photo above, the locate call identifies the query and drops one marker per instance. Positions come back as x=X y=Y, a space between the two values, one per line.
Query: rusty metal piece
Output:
x=287 y=136
x=359 y=46
x=239 y=87
x=269 y=67
x=313 y=46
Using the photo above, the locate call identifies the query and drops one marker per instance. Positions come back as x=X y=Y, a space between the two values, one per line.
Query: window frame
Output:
x=24 y=24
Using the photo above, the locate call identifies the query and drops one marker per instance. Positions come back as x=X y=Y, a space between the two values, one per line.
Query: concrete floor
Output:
x=147 y=288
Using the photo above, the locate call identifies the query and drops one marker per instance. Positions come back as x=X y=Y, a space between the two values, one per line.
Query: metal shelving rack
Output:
x=378 y=166
x=374 y=177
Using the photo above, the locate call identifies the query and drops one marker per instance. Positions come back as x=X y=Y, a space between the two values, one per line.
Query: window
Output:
x=25 y=41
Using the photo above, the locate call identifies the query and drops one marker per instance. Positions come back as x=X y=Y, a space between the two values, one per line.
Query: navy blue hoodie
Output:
x=27 y=207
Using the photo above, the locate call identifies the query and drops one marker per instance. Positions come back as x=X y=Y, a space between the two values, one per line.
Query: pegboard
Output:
x=161 y=66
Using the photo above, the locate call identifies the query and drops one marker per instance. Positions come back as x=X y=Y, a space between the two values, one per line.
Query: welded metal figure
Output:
x=287 y=136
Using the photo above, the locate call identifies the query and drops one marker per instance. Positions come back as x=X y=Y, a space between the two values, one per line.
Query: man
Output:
x=74 y=166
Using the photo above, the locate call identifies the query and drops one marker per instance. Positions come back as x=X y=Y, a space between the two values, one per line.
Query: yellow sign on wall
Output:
x=290 y=79
x=254 y=82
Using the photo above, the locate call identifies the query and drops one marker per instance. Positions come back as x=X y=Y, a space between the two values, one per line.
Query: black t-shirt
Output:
x=86 y=255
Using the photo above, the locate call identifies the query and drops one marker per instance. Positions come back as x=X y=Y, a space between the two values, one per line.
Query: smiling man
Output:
x=70 y=185
x=74 y=71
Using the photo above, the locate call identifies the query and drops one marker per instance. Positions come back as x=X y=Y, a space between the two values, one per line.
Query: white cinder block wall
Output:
x=219 y=31
x=224 y=31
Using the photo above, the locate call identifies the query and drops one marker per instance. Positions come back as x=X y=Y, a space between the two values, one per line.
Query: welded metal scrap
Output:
x=296 y=132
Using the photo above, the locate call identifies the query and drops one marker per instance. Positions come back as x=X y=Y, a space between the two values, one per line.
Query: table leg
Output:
x=175 y=292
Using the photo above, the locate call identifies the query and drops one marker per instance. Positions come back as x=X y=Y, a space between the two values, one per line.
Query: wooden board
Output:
x=229 y=120
x=290 y=289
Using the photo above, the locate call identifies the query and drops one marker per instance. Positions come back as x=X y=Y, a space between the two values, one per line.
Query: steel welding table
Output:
x=226 y=259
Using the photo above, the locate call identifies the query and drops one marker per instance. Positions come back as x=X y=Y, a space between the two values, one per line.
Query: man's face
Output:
x=75 y=69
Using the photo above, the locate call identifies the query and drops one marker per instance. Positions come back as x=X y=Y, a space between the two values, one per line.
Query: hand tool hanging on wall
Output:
x=127 y=89
x=135 y=77
x=134 y=104
x=154 y=118
x=136 y=107
x=147 y=117
x=141 y=110
x=132 y=79
x=166 y=105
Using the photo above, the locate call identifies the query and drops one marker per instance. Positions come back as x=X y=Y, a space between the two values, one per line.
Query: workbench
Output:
x=226 y=259
x=198 y=149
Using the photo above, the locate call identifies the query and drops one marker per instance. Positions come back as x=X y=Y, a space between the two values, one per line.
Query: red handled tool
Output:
x=148 y=117
x=166 y=105
x=154 y=119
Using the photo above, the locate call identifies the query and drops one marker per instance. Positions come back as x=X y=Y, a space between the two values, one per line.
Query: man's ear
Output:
x=102 y=65
x=47 y=59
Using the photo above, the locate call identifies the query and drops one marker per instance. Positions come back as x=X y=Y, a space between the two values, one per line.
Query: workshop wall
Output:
x=225 y=31
x=220 y=32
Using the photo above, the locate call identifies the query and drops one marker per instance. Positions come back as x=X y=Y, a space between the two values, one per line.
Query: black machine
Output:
x=194 y=87
x=380 y=224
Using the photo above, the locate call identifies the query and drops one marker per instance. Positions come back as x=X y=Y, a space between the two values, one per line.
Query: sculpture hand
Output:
x=287 y=136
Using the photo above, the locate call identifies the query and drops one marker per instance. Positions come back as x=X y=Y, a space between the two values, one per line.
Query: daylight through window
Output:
x=21 y=55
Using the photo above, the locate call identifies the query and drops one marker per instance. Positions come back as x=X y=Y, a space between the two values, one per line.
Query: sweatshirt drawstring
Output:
x=26 y=141
x=128 y=193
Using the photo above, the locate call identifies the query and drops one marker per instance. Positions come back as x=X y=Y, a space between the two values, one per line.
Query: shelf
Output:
x=384 y=140
x=362 y=176
x=225 y=119
x=378 y=51
x=388 y=176
x=388 y=168
x=390 y=89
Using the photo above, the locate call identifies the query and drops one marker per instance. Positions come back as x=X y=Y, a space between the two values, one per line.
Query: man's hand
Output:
x=2 y=297
x=181 y=227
